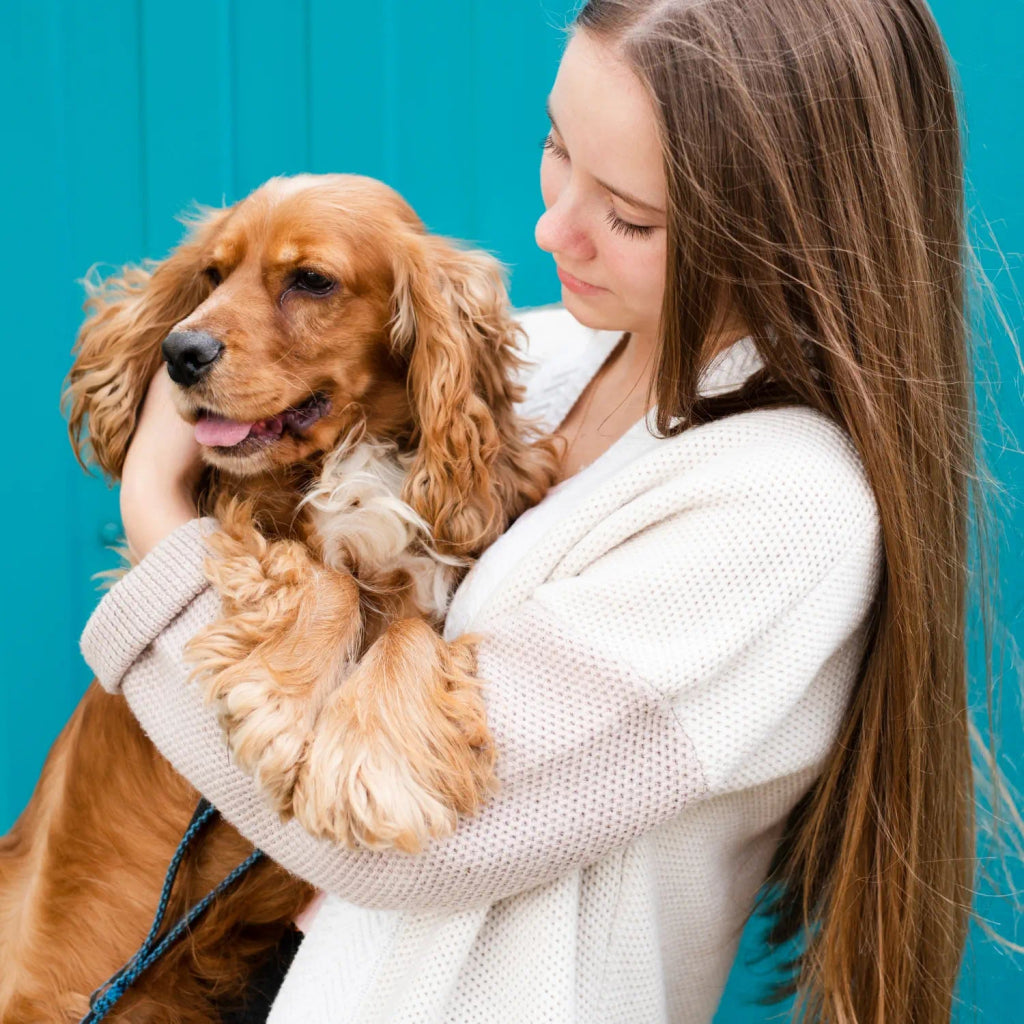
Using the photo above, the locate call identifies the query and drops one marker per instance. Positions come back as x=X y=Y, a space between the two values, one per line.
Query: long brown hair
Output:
x=815 y=187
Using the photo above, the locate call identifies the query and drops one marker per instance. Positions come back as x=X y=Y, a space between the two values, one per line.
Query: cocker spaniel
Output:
x=353 y=382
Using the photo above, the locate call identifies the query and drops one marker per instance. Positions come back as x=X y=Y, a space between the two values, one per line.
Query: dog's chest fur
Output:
x=364 y=526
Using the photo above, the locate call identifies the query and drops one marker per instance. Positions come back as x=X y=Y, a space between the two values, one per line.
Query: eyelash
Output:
x=623 y=227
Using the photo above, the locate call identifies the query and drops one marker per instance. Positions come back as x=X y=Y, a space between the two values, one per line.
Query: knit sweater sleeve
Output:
x=673 y=648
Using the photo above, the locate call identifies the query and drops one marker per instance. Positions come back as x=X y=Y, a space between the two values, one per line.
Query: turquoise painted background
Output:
x=119 y=113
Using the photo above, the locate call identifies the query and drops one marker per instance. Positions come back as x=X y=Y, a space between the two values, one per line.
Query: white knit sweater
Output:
x=671 y=640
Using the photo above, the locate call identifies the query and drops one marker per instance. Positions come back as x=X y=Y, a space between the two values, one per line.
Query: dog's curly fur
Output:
x=339 y=545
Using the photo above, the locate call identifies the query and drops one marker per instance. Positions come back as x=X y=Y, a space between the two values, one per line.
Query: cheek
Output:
x=319 y=328
x=347 y=339
x=650 y=270
x=642 y=272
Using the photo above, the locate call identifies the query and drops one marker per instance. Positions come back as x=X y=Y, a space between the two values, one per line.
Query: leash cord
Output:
x=107 y=995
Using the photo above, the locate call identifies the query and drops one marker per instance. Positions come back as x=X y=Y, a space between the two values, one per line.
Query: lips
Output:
x=216 y=431
x=575 y=279
x=576 y=284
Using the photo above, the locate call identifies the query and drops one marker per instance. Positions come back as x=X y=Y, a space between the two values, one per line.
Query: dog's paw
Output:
x=361 y=792
x=267 y=670
x=265 y=723
x=248 y=571
x=402 y=747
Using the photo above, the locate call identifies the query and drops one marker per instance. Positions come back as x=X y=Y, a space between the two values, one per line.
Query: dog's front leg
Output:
x=401 y=747
x=291 y=626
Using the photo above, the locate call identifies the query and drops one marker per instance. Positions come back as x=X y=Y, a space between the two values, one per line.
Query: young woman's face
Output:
x=602 y=148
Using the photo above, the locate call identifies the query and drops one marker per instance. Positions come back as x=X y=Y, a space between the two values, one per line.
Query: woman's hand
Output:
x=161 y=470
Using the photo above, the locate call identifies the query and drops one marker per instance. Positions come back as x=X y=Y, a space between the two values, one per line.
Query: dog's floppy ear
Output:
x=118 y=347
x=452 y=322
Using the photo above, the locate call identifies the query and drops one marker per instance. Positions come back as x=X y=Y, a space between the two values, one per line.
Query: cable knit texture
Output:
x=670 y=642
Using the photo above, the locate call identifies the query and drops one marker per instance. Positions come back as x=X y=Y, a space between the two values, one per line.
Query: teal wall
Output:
x=119 y=113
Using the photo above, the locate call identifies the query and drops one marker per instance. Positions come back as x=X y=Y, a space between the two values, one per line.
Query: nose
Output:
x=190 y=355
x=559 y=231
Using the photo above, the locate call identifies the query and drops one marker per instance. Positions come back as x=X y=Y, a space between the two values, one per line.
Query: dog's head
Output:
x=316 y=305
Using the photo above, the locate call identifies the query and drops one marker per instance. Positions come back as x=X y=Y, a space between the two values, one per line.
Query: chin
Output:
x=586 y=315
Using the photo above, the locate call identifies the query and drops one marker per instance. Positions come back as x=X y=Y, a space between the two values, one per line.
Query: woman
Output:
x=724 y=644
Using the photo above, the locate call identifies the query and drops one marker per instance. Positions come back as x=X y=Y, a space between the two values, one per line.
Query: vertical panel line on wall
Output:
x=230 y=65
x=73 y=546
x=390 y=94
x=472 y=110
x=307 y=31
x=140 y=97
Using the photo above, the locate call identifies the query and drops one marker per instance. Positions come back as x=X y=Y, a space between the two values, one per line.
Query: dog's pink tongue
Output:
x=215 y=430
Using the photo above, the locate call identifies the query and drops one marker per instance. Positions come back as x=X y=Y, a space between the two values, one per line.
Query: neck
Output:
x=635 y=364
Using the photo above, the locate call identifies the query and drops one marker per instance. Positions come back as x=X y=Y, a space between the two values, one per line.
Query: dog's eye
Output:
x=212 y=274
x=311 y=281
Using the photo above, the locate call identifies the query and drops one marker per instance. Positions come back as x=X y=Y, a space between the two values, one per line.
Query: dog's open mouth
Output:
x=217 y=431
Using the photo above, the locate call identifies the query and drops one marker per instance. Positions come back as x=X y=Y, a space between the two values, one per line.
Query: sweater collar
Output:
x=553 y=392
x=727 y=370
x=730 y=368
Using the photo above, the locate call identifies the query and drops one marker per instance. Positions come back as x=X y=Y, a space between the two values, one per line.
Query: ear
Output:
x=117 y=350
x=475 y=466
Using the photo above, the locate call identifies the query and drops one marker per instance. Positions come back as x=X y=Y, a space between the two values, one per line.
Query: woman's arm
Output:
x=160 y=472
x=682 y=638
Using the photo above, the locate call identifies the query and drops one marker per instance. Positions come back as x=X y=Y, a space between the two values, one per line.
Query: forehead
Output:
x=290 y=220
x=607 y=119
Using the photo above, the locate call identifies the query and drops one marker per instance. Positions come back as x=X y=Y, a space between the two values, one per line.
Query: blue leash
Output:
x=103 y=999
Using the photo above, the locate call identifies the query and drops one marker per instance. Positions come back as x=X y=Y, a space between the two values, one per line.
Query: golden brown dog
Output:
x=353 y=381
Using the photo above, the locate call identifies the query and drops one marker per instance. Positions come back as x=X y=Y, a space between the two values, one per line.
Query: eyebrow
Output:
x=614 y=191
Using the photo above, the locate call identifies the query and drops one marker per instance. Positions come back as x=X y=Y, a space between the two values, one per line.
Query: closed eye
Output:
x=623 y=227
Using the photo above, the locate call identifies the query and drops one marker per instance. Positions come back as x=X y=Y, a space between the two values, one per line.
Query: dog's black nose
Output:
x=190 y=355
